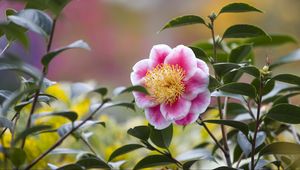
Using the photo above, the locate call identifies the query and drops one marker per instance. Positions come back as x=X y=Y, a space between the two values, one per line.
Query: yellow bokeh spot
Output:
x=57 y=91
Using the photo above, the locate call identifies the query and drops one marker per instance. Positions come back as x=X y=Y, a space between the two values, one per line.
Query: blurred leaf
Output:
x=246 y=146
x=184 y=20
x=135 y=88
x=124 y=149
x=71 y=167
x=219 y=93
x=51 y=55
x=66 y=151
x=33 y=20
x=243 y=31
x=195 y=154
x=187 y=165
x=127 y=105
x=10 y=11
x=14 y=32
x=140 y=132
x=238 y=7
x=274 y=41
x=5 y=93
x=55 y=6
x=17 y=156
x=290 y=58
x=161 y=138
x=102 y=91
x=213 y=83
x=30 y=131
x=281 y=148
x=239 y=88
x=287 y=78
x=72 y=116
x=93 y=163
x=235 y=109
x=69 y=126
x=4 y=122
x=284 y=99
x=240 y=53
x=232 y=123
x=224 y=168
x=201 y=54
x=153 y=160
x=42 y=98
x=286 y=113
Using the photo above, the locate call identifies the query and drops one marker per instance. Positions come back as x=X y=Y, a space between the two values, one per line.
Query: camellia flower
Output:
x=177 y=83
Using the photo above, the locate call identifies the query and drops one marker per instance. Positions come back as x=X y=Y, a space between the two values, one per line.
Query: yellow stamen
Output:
x=164 y=83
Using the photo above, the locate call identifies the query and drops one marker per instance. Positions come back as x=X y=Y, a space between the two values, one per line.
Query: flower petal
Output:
x=158 y=54
x=188 y=119
x=183 y=57
x=139 y=71
x=203 y=66
x=142 y=100
x=201 y=102
x=177 y=110
x=195 y=85
x=155 y=118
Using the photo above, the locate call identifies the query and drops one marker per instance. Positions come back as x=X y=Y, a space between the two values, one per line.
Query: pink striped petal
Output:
x=188 y=119
x=203 y=66
x=201 y=102
x=155 y=118
x=185 y=58
x=142 y=100
x=176 y=110
x=158 y=54
x=139 y=71
x=196 y=84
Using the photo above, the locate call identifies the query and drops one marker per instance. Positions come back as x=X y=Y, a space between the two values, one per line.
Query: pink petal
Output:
x=188 y=119
x=196 y=84
x=176 y=110
x=203 y=66
x=142 y=100
x=158 y=54
x=185 y=58
x=155 y=118
x=139 y=71
x=201 y=102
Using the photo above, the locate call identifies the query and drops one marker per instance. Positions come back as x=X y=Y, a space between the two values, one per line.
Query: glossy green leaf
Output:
x=136 y=88
x=287 y=78
x=33 y=20
x=140 y=132
x=5 y=123
x=284 y=98
x=235 y=109
x=51 y=55
x=290 y=58
x=102 y=91
x=232 y=123
x=240 y=88
x=201 y=54
x=213 y=83
x=30 y=131
x=187 y=165
x=55 y=6
x=124 y=149
x=238 y=7
x=223 y=68
x=286 y=113
x=72 y=116
x=184 y=20
x=162 y=138
x=71 y=167
x=281 y=148
x=219 y=93
x=93 y=163
x=17 y=156
x=275 y=40
x=240 y=53
x=243 y=31
x=152 y=161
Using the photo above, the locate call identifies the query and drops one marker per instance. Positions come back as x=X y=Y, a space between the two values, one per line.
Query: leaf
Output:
x=14 y=32
x=72 y=116
x=275 y=40
x=235 y=124
x=290 y=58
x=59 y=151
x=71 y=167
x=134 y=88
x=213 y=83
x=224 y=168
x=246 y=146
x=4 y=122
x=219 y=93
x=34 y=20
x=69 y=126
x=102 y=91
x=30 y=131
x=239 y=88
x=286 y=113
x=55 y=6
x=124 y=149
x=184 y=20
x=153 y=160
x=5 y=93
x=161 y=138
x=140 y=132
x=93 y=163
x=201 y=54
x=281 y=148
x=51 y=55
x=238 y=7
x=17 y=156
x=243 y=31
x=187 y=165
x=223 y=68
x=287 y=78
x=240 y=53
x=235 y=109
x=195 y=154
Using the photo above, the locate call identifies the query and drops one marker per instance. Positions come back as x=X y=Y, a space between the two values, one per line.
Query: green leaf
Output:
x=51 y=55
x=4 y=122
x=219 y=93
x=290 y=58
x=187 y=165
x=161 y=138
x=224 y=168
x=240 y=88
x=93 y=163
x=232 y=123
x=153 y=160
x=286 y=113
x=55 y=6
x=235 y=109
x=17 y=156
x=10 y=11
x=243 y=31
x=184 y=20
x=127 y=105
x=136 y=88
x=284 y=98
x=30 y=131
x=72 y=116
x=238 y=7
x=140 y=132
x=124 y=149
x=69 y=126
x=281 y=148
x=71 y=167
x=275 y=40
x=195 y=154
x=102 y=91
x=287 y=78
x=223 y=68
x=240 y=53
x=201 y=54
x=14 y=32
x=213 y=83
x=33 y=20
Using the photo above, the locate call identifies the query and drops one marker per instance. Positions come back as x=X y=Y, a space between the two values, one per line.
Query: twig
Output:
x=88 y=145
x=5 y=48
x=12 y=119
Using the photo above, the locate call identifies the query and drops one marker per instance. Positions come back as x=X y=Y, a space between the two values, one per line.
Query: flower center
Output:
x=164 y=83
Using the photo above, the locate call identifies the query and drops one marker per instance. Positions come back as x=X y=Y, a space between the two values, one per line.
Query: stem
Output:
x=88 y=145
x=14 y=129
x=37 y=93
x=239 y=161
x=59 y=142
x=5 y=48
x=12 y=119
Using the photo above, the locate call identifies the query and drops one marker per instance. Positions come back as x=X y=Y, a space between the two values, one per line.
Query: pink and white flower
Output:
x=177 y=83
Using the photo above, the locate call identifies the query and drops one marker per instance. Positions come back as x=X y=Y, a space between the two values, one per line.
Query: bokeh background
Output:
x=121 y=32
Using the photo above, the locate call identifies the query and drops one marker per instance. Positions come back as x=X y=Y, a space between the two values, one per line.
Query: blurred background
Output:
x=121 y=32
